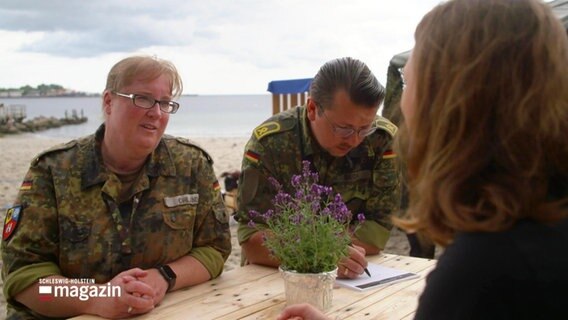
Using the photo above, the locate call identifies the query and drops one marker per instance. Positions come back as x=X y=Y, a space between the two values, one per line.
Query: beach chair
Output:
x=287 y=94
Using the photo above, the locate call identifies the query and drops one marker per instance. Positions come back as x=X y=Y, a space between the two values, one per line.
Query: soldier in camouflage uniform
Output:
x=339 y=132
x=127 y=205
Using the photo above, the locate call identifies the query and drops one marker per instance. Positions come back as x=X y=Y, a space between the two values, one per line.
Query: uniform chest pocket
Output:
x=353 y=185
x=75 y=231
x=360 y=192
x=75 y=247
x=385 y=180
x=386 y=175
x=181 y=219
x=176 y=239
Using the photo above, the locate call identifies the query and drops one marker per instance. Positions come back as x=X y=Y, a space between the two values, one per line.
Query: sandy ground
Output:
x=17 y=151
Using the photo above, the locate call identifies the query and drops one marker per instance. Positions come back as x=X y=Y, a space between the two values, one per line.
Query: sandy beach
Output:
x=19 y=150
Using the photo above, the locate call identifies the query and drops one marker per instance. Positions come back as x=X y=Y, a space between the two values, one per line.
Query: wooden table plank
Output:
x=366 y=299
x=257 y=292
x=397 y=303
x=347 y=302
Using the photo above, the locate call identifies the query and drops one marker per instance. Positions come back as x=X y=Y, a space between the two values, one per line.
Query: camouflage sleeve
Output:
x=212 y=238
x=30 y=249
x=373 y=233
x=254 y=191
x=384 y=200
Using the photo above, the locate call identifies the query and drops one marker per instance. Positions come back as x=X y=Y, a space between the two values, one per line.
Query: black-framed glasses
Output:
x=346 y=132
x=146 y=102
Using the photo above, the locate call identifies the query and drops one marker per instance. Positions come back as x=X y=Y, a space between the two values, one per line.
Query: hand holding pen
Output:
x=366 y=270
x=354 y=264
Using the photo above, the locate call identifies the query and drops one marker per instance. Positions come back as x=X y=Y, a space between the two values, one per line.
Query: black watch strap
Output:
x=169 y=275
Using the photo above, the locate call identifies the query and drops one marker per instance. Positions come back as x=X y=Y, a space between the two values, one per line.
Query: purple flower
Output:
x=269 y=214
x=253 y=214
x=275 y=183
x=296 y=181
x=306 y=168
x=282 y=198
x=310 y=198
x=316 y=190
x=338 y=198
x=296 y=219
x=325 y=212
x=309 y=223
x=316 y=206
x=361 y=217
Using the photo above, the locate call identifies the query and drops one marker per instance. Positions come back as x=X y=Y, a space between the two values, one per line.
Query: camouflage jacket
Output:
x=366 y=178
x=69 y=220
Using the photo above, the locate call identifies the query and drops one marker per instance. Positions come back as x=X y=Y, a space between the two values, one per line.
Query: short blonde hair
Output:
x=124 y=72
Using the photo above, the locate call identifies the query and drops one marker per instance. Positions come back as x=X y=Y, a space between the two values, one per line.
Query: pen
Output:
x=366 y=270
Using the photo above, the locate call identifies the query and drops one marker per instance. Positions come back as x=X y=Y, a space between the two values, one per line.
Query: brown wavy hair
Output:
x=489 y=137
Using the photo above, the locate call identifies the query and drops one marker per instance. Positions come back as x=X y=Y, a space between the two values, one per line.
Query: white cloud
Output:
x=220 y=47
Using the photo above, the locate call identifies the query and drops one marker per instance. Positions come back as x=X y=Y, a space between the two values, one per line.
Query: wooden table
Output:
x=256 y=292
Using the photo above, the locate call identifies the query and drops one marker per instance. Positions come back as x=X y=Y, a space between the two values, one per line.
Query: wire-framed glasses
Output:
x=146 y=102
x=346 y=132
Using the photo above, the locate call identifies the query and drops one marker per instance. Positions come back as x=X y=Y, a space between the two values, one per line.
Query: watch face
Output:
x=169 y=275
x=169 y=272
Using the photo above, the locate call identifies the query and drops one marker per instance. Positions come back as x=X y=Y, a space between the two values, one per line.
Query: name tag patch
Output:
x=181 y=200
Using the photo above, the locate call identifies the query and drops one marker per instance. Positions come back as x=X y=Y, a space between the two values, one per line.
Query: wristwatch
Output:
x=169 y=275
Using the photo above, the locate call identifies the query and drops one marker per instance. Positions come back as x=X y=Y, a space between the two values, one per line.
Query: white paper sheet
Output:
x=380 y=276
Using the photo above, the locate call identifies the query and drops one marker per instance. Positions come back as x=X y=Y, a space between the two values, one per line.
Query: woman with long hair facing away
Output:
x=485 y=142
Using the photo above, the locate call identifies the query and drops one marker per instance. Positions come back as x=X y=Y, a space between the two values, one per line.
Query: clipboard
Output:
x=380 y=276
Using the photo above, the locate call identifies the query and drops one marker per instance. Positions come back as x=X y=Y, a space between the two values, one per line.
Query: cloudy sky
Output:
x=219 y=46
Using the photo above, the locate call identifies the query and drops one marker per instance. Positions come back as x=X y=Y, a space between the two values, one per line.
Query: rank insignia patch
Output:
x=11 y=222
x=266 y=129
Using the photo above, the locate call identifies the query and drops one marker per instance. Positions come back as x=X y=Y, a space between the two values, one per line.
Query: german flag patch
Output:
x=389 y=154
x=216 y=186
x=252 y=156
x=26 y=185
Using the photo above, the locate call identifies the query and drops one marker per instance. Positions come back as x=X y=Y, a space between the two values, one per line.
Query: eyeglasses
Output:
x=346 y=132
x=148 y=102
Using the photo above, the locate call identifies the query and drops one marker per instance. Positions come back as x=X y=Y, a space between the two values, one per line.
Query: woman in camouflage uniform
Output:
x=126 y=207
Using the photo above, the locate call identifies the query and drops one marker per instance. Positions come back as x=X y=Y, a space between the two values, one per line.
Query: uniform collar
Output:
x=309 y=142
x=160 y=162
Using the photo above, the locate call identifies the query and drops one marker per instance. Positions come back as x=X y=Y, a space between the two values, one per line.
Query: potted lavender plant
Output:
x=309 y=233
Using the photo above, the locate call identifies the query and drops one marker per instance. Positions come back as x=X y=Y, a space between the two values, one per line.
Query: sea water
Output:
x=198 y=116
